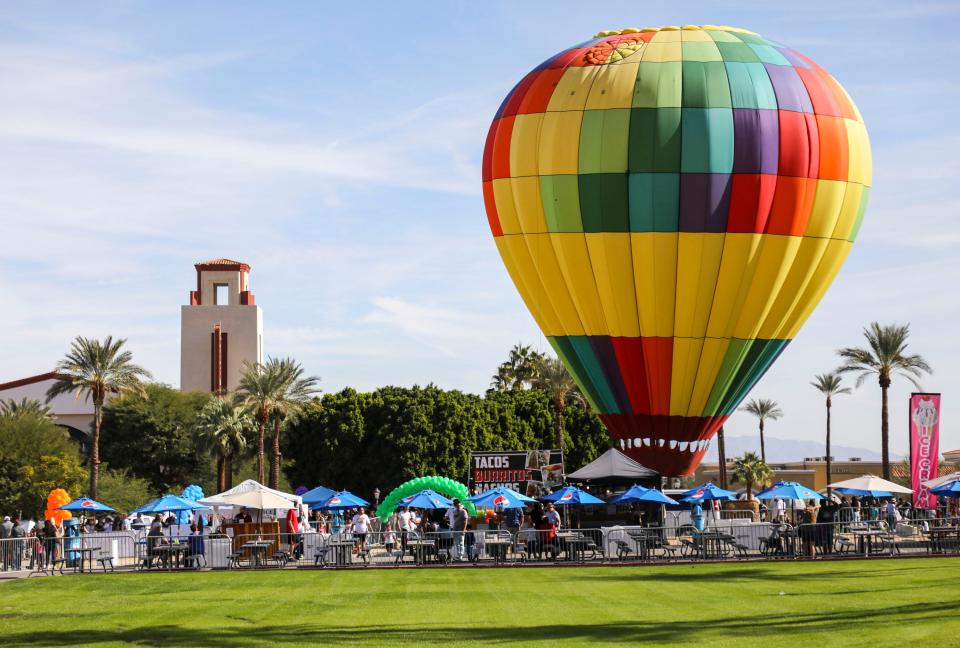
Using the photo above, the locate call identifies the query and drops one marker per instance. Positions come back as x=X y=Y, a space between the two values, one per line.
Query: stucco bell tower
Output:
x=220 y=328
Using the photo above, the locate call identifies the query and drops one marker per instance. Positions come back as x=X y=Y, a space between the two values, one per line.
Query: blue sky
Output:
x=336 y=148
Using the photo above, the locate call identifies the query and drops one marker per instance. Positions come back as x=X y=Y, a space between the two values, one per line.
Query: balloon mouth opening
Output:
x=640 y=30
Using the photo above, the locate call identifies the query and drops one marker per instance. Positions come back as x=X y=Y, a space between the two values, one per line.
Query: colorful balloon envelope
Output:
x=671 y=204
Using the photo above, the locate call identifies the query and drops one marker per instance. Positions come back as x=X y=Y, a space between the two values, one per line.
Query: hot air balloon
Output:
x=672 y=203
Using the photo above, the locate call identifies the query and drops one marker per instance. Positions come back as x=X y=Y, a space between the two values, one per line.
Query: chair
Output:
x=623 y=549
x=148 y=562
x=195 y=561
x=670 y=547
x=234 y=559
x=739 y=549
x=106 y=560
x=845 y=544
x=320 y=558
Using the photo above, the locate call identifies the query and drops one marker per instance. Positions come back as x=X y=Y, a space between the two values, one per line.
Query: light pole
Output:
x=376 y=498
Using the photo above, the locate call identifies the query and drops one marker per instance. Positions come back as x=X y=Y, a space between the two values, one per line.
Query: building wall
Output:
x=68 y=410
x=243 y=326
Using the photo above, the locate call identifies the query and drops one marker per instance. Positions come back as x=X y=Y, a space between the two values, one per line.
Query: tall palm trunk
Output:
x=885 y=426
x=558 y=424
x=829 y=463
x=261 y=430
x=722 y=456
x=227 y=472
x=95 y=447
x=221 y=480
x=275 y=456
x=763 y=448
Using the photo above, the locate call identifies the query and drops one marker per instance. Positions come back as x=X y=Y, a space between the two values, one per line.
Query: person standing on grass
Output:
x=17 y=537
x=361 y=526
x=460 y=518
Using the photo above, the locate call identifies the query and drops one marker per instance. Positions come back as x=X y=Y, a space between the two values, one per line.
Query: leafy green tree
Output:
x=751 y=470
x=152 y=436
x=25 y=407
x=884 y=357
x=49 y=472
x=222 y=427
x=520 y=369
x=380 y=439
x=830 y=385
x=123 y=491
x=260 y=387
x=556 y=382
x=764 y=409
x=94 y=370
x=296 y=390
x=35 y=456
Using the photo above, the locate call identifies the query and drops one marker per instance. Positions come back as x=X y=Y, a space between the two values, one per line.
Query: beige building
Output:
x=811 y=472
x=75 y=414
x=220 y=329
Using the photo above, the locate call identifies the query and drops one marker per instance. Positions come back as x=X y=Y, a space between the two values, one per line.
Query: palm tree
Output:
x=288 y=405
x=520 y=369
x=260 y=386
x=885 y=356
x=94 y=369
x=830 y=385
x=722 y=457
x=764 y=409
x=554 y=379
x=751 y=469
x=26 y=407
x=222 y=426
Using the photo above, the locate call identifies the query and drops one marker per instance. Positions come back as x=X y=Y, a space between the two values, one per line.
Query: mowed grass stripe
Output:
x=849 y=603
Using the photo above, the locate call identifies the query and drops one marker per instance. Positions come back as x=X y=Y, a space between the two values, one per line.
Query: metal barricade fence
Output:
x=83 y=552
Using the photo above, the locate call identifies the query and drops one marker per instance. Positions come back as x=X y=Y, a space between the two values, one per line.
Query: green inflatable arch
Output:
x=443 y=485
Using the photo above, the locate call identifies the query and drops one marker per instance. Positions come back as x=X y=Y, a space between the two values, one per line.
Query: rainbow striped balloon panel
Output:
x=671 y=204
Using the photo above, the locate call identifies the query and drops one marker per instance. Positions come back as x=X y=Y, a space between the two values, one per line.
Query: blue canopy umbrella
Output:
x=950 y=489
x=501 y=497
x=426 y=499
x=343 y=500
x=572 y=495
x=169 y=504
x=85 y=504
x=788 y=490
x=638 y=493
x=317 y=495
x=708 y=491
x=863 y=492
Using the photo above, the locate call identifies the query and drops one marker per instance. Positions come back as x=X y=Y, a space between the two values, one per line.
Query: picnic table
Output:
x=172 y=554
x=575 y=545
x=421 y=549
x=342 y=551
x=85 y=556
x=257 y=549
x=943 y=539
x=864 y=538
x=497 y=548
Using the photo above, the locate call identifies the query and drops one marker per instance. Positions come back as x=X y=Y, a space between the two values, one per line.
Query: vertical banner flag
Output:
x=924 y=446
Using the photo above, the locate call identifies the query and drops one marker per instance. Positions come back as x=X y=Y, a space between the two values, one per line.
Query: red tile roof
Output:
x=50 y=375
x=222 y=264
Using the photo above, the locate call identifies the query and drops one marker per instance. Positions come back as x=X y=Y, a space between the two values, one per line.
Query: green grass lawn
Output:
x=909 y=602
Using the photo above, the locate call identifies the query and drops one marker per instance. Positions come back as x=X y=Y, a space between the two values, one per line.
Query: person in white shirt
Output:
x=361 y=526
x=552 y=516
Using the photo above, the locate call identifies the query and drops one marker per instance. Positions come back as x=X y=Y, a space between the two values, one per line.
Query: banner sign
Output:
x=924 y=447
x=533 y=473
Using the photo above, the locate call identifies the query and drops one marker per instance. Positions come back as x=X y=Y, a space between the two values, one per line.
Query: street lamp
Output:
x=376 y=498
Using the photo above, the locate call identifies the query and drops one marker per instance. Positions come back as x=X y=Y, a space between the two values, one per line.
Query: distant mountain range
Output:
x=780 y=450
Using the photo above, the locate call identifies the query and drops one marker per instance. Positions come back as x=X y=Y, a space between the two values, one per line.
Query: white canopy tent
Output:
x=871 y=483
x=226 y=503
x=940 y=481
x=247 y=486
